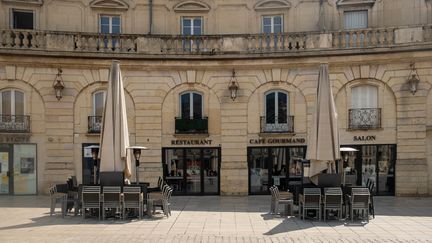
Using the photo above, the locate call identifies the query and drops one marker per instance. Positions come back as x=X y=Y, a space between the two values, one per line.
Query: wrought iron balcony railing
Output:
x=365 y=118
x=15 y=123
x=191 y=125
x=94 y=124
x=276 y=124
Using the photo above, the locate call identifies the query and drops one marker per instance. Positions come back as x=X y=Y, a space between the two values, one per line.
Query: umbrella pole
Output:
x=94 y=176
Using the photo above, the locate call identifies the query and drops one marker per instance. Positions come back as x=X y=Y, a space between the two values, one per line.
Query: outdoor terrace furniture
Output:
x=164 y=202
x=111 y=198
x=158 y=188
x=91 y=199
x=58 y=194
x=371 y=186
x=310 y=200
x=277 y=200
x=132 y=199
x=359 y=201
x=332 y=200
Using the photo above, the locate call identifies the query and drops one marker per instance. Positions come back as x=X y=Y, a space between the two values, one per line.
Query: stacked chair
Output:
x=310 y=200
x=58 y=195
x=333 y=200
x=133 y=199
x=370 y=184
x=164 y=201
x=90 y=199
x=111 y=199
x=278 y=199
x=359 y=201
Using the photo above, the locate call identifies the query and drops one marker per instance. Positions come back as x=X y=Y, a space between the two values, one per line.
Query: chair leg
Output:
x=124 y=213
x=52 y=208
x=352 y=214
x=83 y=212
x=103 y=212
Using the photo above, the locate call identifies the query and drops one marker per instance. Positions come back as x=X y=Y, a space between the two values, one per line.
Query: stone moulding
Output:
x=109 y=4
x=353 y=3
x=191 y=6
x=272 y=5
x=32 y=2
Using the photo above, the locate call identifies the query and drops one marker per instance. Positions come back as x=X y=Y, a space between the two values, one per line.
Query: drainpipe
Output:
x=150 y=16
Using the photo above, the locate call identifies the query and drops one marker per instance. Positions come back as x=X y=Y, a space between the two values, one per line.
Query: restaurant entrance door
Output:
x=192 y=171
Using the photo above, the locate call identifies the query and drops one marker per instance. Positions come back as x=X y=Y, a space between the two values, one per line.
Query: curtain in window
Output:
x=356 y=19
x=364 y=96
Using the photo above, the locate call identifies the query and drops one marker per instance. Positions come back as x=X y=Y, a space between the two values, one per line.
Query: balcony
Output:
x=191 y=125
x=365 y=118
x=14 y=124
x=274 y=125
x=94 y=124
x=214 y=46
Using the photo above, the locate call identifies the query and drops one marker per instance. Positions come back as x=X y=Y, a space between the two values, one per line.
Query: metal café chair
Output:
x=132 y=199
x=310 y=200
x=278 y=200
x=360 y=199
x=333 y=200
x=90 y=199
x=164 y=202
x=111 y=198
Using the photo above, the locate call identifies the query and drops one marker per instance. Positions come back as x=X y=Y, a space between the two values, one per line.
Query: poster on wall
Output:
x=27 y=165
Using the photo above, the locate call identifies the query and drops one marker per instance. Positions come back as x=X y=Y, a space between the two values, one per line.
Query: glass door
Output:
x=258 y=171
x=368 y=164
x=210 y=171
x=5 y=161
x=174 y=169
x=24 y=167
x=279 y=167
x=386 y=169
x=193 y=171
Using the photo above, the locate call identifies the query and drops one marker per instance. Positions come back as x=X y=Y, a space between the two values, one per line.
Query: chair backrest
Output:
x=131 y=193
x=74 y=181
x=160 y=180
x=111 y=193
x=360 y=197
x=91 y=193
x=168 y=194
x=312 y=196
x=333 y=195
x=111 y=178
x=61 y=188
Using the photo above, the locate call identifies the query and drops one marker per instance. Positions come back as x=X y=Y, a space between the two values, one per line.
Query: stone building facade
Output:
x=177 y=60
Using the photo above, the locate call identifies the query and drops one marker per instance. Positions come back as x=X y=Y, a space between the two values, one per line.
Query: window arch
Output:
x=364 y=96
x=12 y=102
x=191 y=105
x=99 y=102
x=276 y=107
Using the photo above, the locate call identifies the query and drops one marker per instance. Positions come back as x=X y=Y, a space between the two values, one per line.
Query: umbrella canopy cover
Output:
x=323 y=143
x=114 y=140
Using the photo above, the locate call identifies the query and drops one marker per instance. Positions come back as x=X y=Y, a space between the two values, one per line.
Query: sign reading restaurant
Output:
x=191 y=142
x=278 y=141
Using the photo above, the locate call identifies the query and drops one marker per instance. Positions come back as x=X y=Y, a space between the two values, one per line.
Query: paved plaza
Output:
x=215 y=219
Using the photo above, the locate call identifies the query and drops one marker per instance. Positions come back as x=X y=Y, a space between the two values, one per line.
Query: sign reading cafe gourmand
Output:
x=191 y=142
x=277 y=141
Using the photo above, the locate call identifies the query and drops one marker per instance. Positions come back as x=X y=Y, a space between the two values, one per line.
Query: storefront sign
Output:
x=364 y=138
x=15 y=138
x=192 y=142
x=277 y=141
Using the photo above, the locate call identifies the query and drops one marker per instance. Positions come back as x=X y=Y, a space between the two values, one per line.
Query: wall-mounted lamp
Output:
x=58 y=85
x=233 y=86
x=413 y=79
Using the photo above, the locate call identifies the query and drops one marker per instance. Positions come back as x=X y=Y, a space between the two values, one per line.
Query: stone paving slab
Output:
x=215 y=219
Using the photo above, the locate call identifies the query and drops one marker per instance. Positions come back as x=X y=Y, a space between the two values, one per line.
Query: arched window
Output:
x=364 y=96
x=276 y=107
x=98 y=102
x=191 y=105
x=364 y=112
x=12 y=102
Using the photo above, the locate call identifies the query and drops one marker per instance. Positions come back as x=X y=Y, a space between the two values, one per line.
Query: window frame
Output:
x=276 y=106
x=192 y=18
x=13 y=106
x=12 y=19
x=272 y=25
x=104 y=93
x=191 y=110
x=110 y=23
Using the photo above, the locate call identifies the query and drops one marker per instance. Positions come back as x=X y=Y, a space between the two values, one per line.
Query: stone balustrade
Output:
x=175 y=45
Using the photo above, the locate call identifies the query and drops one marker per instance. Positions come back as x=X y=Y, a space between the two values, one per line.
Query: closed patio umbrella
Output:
x=114 y=141
x=323 y=142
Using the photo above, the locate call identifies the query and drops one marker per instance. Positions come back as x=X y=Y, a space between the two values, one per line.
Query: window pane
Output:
x=115 y=29
x=270 y=108
x=19 y=103
x=6 y=103
x=105 y=29
x=185 y=105
x=356 y=19
x=99 y=103
x=364 y=96
x=22 y=20
x=116 y=20
x=187 y=31
x=197 y=30
x=277 y=20
x=104 y=20
x=187 y=22
x=266 y=21
x=197 y=22
x=197 y=105
x=277 y=29
x=282 y=107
